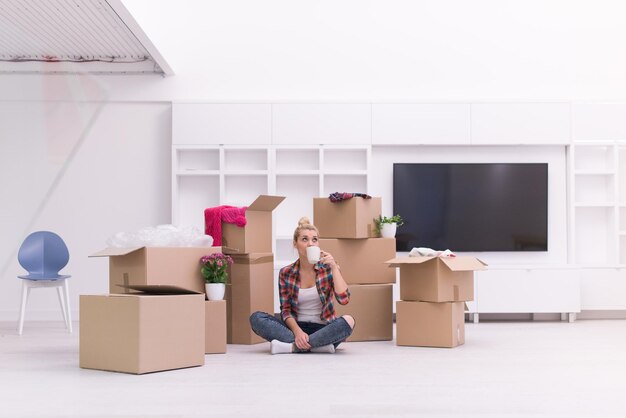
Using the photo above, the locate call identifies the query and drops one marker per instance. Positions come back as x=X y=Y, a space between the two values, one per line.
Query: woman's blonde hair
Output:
x=303 y=224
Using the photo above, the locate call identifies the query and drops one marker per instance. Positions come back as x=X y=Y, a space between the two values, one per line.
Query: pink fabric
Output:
x=213 y=218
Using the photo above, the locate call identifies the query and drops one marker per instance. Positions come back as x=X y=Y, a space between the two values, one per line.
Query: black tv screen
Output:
x=472 y=207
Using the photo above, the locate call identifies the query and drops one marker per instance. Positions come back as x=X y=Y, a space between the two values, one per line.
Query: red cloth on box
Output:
x=213 y=218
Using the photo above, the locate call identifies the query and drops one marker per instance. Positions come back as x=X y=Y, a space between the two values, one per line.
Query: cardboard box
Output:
x=428 y=324
x=215 y=326
x=437 y=279
x=251 y=289
x=177 y=266
x=362 y=261
x=143 y=333
x=256 y=236
x=371 y=306
x=352 y=218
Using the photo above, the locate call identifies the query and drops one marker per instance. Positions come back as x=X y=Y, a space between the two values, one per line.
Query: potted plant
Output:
x=215 y=276
x=386 y=226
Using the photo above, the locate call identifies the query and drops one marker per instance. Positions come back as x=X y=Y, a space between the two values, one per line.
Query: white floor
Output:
x=505 y=369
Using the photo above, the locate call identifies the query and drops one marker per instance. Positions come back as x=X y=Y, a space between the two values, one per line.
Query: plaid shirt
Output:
x=289 y=286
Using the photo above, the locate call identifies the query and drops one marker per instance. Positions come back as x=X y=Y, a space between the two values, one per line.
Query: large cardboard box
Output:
x=371 y=306
x=251 y=289
x=362 y=261
x=437 y=279
x=428 y=324
x=176 y=266
x=352 y=218
x=141 y=333
x=256 y=236
x=215 y=326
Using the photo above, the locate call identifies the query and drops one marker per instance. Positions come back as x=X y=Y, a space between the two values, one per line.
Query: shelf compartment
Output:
x=345 y=183
x=198 y=160
x=245 y=159
x=241 y=190
x=345 y=159
x=594 y=189
x=285 y=252
x=300 y=191
x=595 y=236
x=196 y=193
x=297 y=159
x=594 y=157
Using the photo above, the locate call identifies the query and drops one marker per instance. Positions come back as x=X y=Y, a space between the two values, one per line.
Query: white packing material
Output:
x=429 y=252
x=161 y=236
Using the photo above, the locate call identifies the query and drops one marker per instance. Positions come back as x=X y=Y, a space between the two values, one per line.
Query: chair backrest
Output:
x=43 y=253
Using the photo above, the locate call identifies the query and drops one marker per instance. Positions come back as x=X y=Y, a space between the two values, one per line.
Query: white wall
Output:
x=85 y=171
x=104 y=166
x=374 y=51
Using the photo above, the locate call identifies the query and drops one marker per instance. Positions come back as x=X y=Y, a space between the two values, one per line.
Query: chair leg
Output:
x=68 y=312
x=25 y=292
x=61 y=296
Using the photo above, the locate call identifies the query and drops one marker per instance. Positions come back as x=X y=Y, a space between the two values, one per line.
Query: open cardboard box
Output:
x=176 y=266
x=142 y=333
x=437 y=279
x=256 y=236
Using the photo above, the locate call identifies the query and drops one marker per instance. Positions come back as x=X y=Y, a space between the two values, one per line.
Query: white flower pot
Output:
x=388 y=230
x=215 y=291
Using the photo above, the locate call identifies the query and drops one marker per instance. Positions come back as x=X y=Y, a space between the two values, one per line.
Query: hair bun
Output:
x=304 y=221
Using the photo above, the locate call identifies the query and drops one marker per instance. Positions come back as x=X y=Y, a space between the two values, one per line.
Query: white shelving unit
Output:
x=212 y=175
x=598 y=222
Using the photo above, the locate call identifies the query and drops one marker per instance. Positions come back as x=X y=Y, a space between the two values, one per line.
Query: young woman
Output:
x=309 y=322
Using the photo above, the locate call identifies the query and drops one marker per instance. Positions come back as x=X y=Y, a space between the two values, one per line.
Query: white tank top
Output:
x=309 y=306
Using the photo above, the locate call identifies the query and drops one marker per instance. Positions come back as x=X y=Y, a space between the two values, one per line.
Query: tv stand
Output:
x=527 y=289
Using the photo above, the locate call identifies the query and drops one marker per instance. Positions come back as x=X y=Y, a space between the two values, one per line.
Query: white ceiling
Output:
x=74 y=36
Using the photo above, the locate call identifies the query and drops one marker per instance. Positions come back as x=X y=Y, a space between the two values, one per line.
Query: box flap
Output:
x=253 y=258
x=463 y=263
x=265 y=203
x=398 y=261
x=115 y=251
x=160 y=289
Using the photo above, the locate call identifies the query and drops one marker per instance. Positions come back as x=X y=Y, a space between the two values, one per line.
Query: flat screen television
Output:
x=472 y=207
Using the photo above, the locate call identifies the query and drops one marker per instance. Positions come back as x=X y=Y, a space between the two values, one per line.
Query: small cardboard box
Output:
x=427 y=324
x=256 y=236
x=362 y=261
x=176 y=266
x=437 y=279
x=215 y=326
x=251 y=289
x=352 y=218
x=371 y=306
x=141 y=333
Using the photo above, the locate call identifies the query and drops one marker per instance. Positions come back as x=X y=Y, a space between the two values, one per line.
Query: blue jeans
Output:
x=270 y=328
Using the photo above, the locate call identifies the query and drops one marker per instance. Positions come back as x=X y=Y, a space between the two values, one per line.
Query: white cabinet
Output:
x=598 y=121
x=204 y=123
x=528 y=290
x=412 y=124
x=520 y=123
x=603 y=288
x=321 y=123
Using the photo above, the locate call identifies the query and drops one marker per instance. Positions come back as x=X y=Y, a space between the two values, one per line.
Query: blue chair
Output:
x=43 y=254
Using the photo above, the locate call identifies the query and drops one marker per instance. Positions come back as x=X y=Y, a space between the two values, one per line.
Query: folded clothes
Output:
x=339 y=196
x=429 y=252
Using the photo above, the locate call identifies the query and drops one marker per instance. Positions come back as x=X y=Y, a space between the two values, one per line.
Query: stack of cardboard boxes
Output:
x=155 y=317
x=347 y=230
x=252 y=274
x=433 y=292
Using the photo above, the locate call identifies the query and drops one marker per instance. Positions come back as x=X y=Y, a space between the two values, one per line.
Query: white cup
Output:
x=313 y=254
